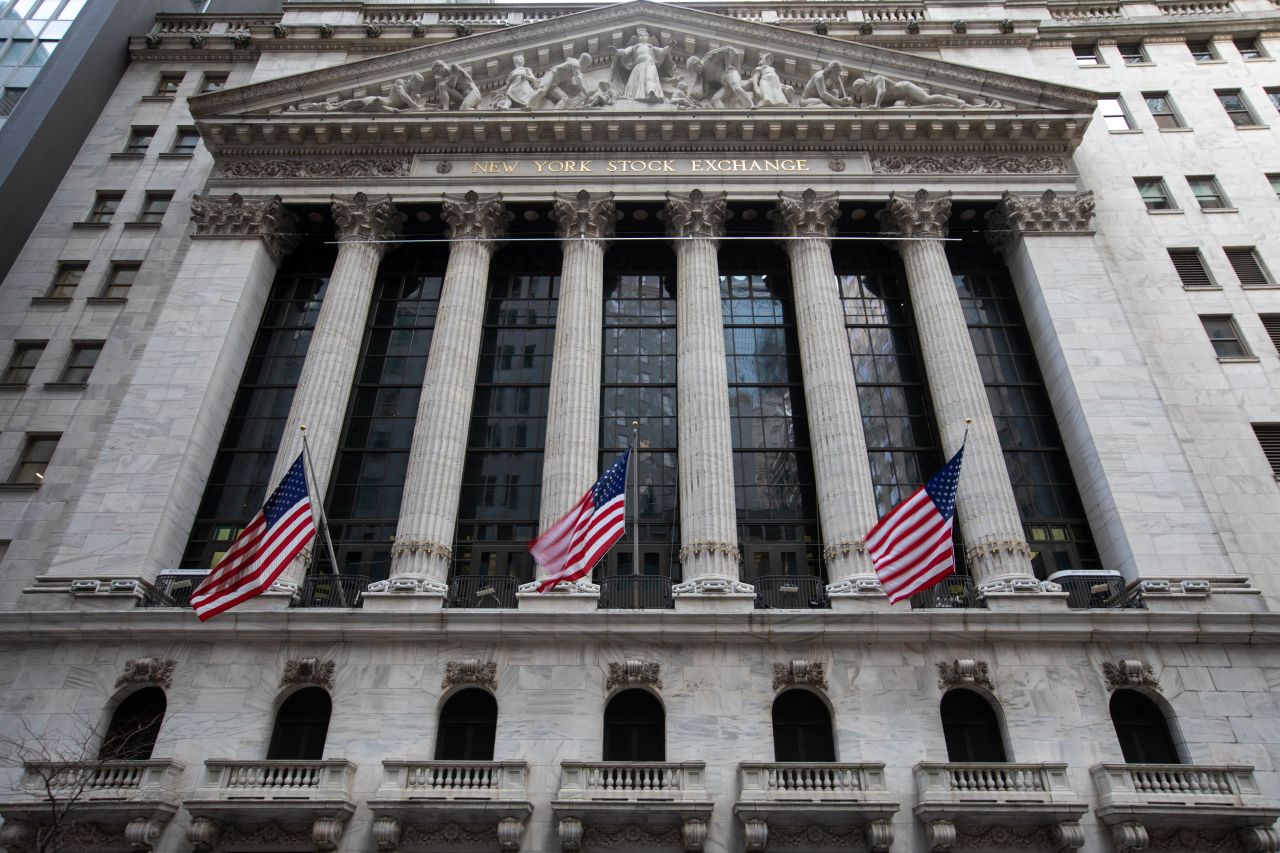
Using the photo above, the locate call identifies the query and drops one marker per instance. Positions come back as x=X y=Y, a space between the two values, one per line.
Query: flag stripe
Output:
x=571 y=547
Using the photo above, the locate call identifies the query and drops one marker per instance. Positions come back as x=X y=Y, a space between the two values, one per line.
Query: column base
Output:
x=580 y=596
x=714 y=595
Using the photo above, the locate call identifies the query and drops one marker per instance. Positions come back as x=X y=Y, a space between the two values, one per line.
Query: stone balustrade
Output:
x=992 y=782
x=329 y=779
x=779 y=781
x=1174 y=784
x=414 y=794
x=632 y=780
x=104 y=779
x=449 y=780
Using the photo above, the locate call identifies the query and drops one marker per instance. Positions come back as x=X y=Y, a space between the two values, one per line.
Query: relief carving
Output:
x=964 y=673
x=470 y=671
x=799 y=672
x=961 y=165
x=562 y=87
x=147 y=671
x=308 y=671
x=627 y=836
x=362 y=218
x=807 y=214
x=520 y=87
x=451 y=836
x=389 y=167
x=474 y=216
x=634 y=672
x=406 y=94
x=918 y=215
x=1043 y=214
x=584 y=214
x=717 y=80
x=696 y=214
x=637 y=70
x=1129 y=673
x=235 y=216
x=814 y=835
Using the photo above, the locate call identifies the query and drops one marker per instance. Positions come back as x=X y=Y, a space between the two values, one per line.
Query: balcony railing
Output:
x=956 y=591
x=992 y=783
x=172 y=588
x=103 y=780
x=332 y=591
x=483 y=591
x=1174 y=784
x=277 y=780
x=808 y=782
x=633 y=780
x=1095 y=590
x=453 y=780
x=790 y=592
x=636 y=592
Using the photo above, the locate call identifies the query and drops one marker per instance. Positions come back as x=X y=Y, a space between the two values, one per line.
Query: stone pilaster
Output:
x=320 y=401
x=570 y=462
x=989 y=522
x=846 y=496
x=709 y=552
x=423 y=548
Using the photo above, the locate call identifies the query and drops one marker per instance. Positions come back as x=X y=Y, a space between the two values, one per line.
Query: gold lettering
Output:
x=755 y=166
x=802 y=165
x=613 y=165
x=667 y=166
x=772 y=165
x=539 y=164
x=697 y=165
x=739 y=166
x=510 y=167
x=788 y=165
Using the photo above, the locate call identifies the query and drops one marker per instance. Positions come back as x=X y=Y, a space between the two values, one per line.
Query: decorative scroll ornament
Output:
x=475 y=217
x=807 y=214
x=634 y=672
x=584 y=214
x=964 y=673
x=202 y=834
x=470 y=671
x=1130 y=835
x=696 y=214
x=510 y=832
x=1049 y=213
x=756 y=833
x=236 y=217
x=799 y=672
x=961 y=165
x=381 y=167
x=326 y=832
x=360 y=218
x=920 y=215
x=147 y=671
x=308 y=671
x=1129 y=673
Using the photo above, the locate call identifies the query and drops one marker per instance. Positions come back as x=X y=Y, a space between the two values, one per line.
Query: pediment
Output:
x=643 y=73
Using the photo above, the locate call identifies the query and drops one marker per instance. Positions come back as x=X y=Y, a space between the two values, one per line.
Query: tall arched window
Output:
x=971 y=728
x=1142 y=729
x=468 y=725
x=634 y=728
x=801 y=728
x=301 y=725
x=131 y=735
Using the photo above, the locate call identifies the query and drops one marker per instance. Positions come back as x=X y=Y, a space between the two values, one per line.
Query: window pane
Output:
x=1114 y=115
x=9 y=98
x=66 y=280
x=22 y=363
x=81 y=363
x=16 y=50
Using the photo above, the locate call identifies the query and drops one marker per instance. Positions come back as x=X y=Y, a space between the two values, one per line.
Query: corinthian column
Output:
x=994 y=544
x=320 y=401
x=570 y=462
x=846 y=496
x=423 y=549
x=709 y=554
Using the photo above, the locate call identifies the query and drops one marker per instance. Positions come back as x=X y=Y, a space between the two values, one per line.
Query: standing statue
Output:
x=562 y=88
x=825 y=89
x=717 y=77
x=639 y=68
x=520 y=88
x=876 y=91
x=768 y=87
x=455 y=90
x=405 y=94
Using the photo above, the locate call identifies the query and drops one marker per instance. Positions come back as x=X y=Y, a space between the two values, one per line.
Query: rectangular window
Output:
x=35 y=458
x=139 y=140
x=1269 y=437
x=1114 y=115
x=1202 y=50
x=84 y=355
x=1274 y=180
x=1271 y=322
x=1274 y=95
x=1086 y=54
x=1250 y=47
x=1244 y=260
x=1237 y=108
x=66 y=280
x=185 y=141
x=1225 y=336
x=105 y=206
x=167 y=85
x=154 y=206
x=1155 y=195
x=1162 y=110
x=1207 y=192
x=213 y=83
x=26 y=354
x=1132 y=52
x=9 y=97
x=1190 y=267
x=120 y=279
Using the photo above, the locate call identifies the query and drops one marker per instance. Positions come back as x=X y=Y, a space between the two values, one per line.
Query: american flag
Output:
x=281 y=529
x=572 y=546
x=911 y=547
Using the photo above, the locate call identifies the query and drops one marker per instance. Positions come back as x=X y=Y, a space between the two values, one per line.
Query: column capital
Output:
x=363 y=219
x=584 y=214
x=920 y=215
x=235 y=217
x=1048 y=213
x=696 y=214
x=807 y=214
x=472 y=216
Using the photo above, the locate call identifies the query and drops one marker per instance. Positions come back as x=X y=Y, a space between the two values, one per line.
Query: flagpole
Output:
x=635 y=500
x=317 y=504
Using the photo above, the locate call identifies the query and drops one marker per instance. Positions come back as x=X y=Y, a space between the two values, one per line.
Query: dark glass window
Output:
x=638 y=383
x=468 y=725
x=212 y=82
x=1048 y=500
x=167 y=84
x=237 y=483
x=802 y=728
x=81 y=362
x=131 y=734
x=120 y=280
x=105 y=205
x=772 y=467
x=37 y=453
x=634 y=727
x=9 y=97
x=185 y=141
x=1162 y=110
x=66 y=280
x=26 y=355
x=154 y=206
x=1202 y=50
x=971 y=728
x=368 y=480
x=1142 y=729
x=1237 y=108
x=302 y=723
x=139 y=140
x=502 y=475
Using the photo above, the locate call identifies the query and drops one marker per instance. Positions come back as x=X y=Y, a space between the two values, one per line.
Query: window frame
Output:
x=1209 y=54
x=1268 y=280
x=18 y=475
x=1169 y=204
x=208 y=76
x=1273 y=95
x=1234 y=339
x=1171 y=111
x=1273 y=178
x=180 y=134
x=1245 y=109
x=1083 y=59
x=62 y=270
x=110 y=282
x=1123 y=113
x=1195 y=182
x=1246 y=45
x=8 y=101
x=134 y=146
x=19 y=374
x=78 y=348
x=1268 y=436
x=149 y=217
x=163 y=89
x=98 y=215
x=1195 y=251
x=1130 y=57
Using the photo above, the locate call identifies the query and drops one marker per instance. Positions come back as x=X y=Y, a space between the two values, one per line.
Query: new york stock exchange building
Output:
x=806 y=248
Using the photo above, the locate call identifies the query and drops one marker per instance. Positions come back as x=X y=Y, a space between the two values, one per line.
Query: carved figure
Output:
x=522 y=83
x=405 y=94
x=639 y=68
x=767 y=86
x=680 y=97
x=825 y=89
x=455 y=90
x=604 y=96
x=562 y=88
x=876 y=91
x=717 y=77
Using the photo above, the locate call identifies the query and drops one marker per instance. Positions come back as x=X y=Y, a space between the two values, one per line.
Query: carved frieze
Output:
x=1003 y=837
x=1048 y=213
x=1129 y=673
x=451 y=836
x=631 y=836
x=236 y=216
x=470 y=671
x=964 y=673
x=795 y=672
x=696 y=214
x=810 y=836
x=235 y=835
x=359 y=217
x=370 y=167
x=156 y=671
x=965 y=165
x=584 y=214
x=475 y=217
x=807 y=214
x=308 y=671
x=632 y=672
x=920 y=215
